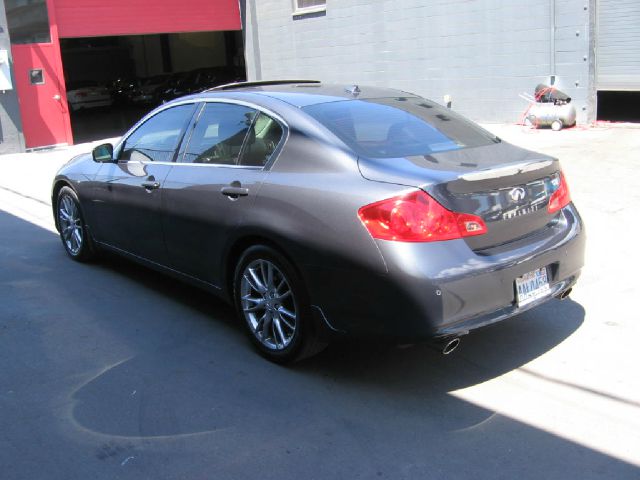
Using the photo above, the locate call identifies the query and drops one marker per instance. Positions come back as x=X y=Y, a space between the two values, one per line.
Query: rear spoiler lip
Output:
x=506 y=171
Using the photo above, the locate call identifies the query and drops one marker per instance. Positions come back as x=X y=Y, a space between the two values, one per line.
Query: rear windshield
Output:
x=398 y=127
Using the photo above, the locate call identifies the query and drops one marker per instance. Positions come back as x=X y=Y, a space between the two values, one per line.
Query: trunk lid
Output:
x=509 y=187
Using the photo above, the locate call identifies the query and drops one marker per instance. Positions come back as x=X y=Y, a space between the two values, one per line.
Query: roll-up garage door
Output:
x=618 y=45
x=97 y=18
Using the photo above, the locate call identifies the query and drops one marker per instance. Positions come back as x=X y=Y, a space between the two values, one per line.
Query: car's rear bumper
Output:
x=445 y=288
x=462 y=327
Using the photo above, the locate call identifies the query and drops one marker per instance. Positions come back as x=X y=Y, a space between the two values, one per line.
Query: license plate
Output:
x=532 y=286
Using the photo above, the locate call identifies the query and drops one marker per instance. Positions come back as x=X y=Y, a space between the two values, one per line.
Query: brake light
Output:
x=561 y=197
x=417 y=217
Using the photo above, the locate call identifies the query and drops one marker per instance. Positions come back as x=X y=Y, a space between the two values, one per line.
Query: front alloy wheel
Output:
x=71 y=226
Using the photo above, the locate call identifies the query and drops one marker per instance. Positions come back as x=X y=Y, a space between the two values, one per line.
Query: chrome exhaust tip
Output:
x=448 y=345
x=565 y=294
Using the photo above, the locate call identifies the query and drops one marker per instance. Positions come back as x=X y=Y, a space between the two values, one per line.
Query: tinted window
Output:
x=302 y=4
x=264 y=136
x=28 y=21
x=219 y=134
x=156 y=139
x=398 y=127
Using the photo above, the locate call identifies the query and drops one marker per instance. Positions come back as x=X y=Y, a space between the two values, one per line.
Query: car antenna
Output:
x=353 y=90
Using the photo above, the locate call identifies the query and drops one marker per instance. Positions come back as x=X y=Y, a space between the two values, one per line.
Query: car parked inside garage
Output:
x=88 y=94
x=148 y=92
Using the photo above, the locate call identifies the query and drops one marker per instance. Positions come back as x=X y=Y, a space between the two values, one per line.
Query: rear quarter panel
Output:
x=308 y=205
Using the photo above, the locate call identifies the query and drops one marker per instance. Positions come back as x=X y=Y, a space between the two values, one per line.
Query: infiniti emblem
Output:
x=517 y=194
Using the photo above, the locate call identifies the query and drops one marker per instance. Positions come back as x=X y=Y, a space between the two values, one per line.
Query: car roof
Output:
x=304 y=93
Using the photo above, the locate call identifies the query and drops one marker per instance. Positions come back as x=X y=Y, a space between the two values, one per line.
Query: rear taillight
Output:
x=561 y=197
x=417 y=217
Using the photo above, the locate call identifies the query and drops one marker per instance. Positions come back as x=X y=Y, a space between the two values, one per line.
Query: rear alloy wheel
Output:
x=268 y=304
x=271 y=299
x=73 y=232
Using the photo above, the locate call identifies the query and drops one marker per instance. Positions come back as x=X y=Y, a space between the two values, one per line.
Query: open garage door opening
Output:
x=619 y=106
x=112 y=81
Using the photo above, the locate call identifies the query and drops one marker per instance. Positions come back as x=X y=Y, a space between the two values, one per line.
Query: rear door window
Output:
x=264 y=136
x=219 y=134
x=398 y=127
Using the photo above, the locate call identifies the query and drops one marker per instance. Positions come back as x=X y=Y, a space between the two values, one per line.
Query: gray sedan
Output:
x=323 y=210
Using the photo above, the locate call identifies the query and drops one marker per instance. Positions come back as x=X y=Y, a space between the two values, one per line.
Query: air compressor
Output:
x=549 y=107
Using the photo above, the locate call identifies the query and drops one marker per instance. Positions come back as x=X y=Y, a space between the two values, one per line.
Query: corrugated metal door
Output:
x=618 y=45
x=97 y=18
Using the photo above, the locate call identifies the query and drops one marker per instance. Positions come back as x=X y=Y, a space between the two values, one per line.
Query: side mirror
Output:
x=103 y=153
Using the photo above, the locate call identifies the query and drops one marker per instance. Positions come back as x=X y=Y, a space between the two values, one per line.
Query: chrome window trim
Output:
x=215 y=165
x=175 y=164
x=144 y=162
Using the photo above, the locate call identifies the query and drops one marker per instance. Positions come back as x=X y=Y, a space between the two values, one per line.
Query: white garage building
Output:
x=483 y=53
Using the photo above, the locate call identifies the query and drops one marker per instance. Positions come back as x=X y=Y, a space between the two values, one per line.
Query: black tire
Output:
x=80 y=247
x=309 y=336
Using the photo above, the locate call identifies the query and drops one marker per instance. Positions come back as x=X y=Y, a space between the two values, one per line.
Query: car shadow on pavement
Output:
x=118 y=362
x=484 y=354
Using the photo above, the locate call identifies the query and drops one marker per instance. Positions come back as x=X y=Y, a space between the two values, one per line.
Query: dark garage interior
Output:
x=619 y=106
x=112 y=81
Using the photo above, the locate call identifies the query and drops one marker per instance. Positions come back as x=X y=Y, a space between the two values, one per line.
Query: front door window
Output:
x=157 y=138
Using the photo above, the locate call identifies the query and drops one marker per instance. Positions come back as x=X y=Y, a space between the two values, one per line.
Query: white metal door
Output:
x=618 y=45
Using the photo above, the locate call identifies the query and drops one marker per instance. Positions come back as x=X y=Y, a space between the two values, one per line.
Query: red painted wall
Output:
x=43 y=108
x=95 y=18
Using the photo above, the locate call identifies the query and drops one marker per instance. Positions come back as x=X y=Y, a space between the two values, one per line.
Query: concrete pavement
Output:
x=25 y=182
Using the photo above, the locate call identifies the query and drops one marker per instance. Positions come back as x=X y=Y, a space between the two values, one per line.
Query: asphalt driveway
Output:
x=109 y=370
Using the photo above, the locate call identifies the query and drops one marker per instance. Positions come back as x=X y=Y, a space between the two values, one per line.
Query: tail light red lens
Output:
x=561 y=197
x=417 y=217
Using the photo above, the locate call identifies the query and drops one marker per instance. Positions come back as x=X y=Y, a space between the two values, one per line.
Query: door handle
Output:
x=150 y=185
x=234 y=192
